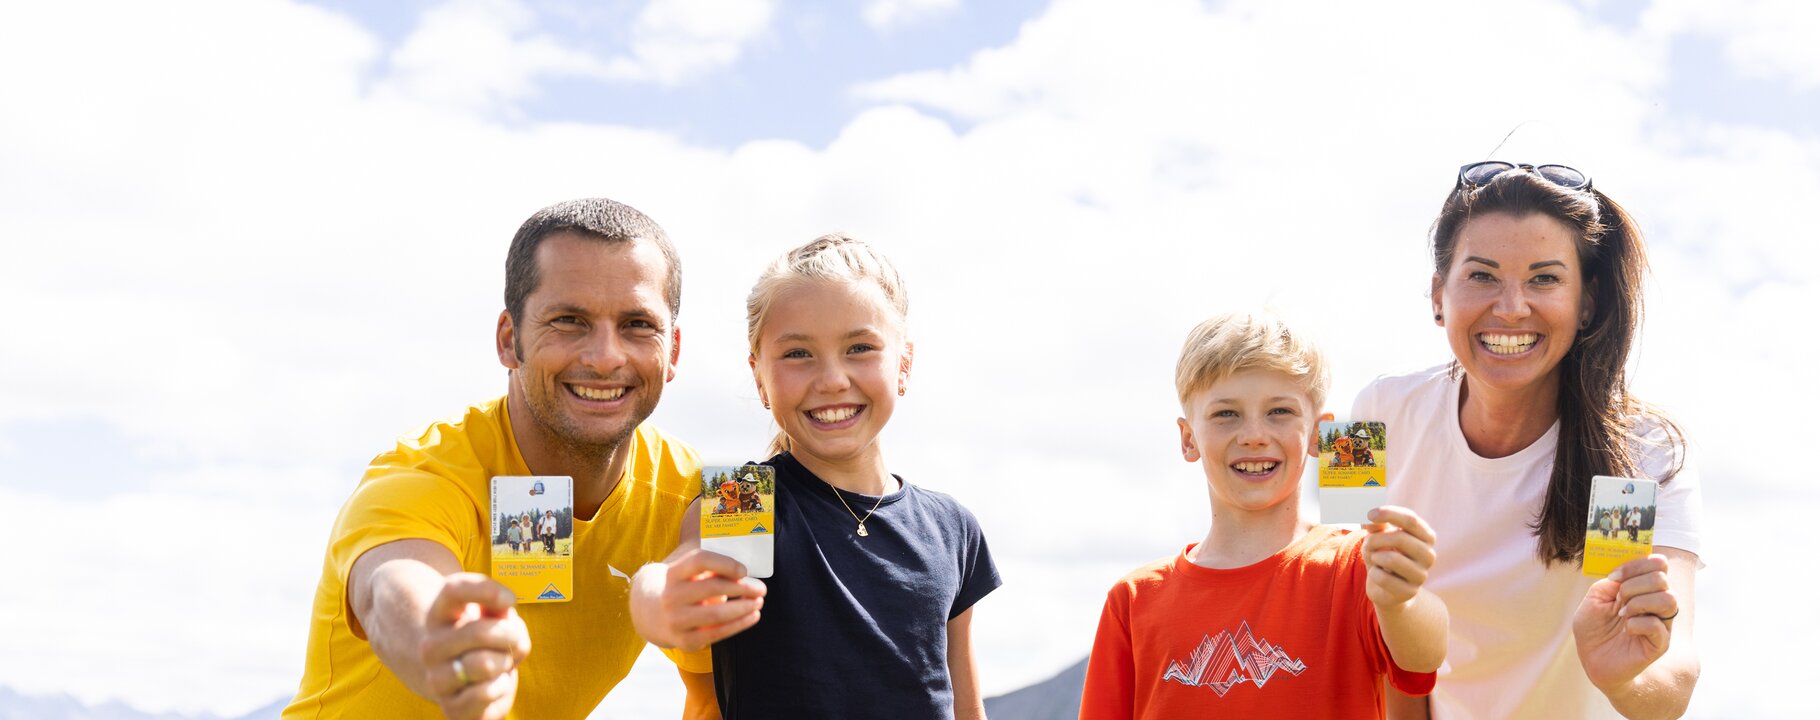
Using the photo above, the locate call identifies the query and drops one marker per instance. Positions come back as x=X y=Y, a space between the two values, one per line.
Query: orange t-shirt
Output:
x=1290 y=636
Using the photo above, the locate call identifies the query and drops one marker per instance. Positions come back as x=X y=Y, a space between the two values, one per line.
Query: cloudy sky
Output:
x=246 y=244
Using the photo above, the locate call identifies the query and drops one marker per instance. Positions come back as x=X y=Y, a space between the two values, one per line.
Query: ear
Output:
x=675 y=352
x=1190 y=453
x=1434 y=296
x=504 y=341
x=903 y=366
x=752 y=360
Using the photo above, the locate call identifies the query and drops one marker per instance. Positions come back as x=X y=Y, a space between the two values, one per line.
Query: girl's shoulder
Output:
x=940 y=506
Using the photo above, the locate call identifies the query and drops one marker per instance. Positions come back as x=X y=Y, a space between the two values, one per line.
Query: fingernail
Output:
x=1615 y=576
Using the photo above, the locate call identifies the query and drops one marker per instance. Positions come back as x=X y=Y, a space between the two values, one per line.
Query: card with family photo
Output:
x=533 y=534
x=1353 y=472
x=738 y=518
x=1620 y=523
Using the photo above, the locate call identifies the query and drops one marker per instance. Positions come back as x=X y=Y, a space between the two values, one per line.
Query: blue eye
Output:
x=860 y=348
x=796 y=353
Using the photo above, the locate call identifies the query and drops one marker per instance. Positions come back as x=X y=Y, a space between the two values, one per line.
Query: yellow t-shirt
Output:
x=436 y=487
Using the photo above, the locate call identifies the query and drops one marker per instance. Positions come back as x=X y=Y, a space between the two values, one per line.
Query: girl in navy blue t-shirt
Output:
x=868 y=611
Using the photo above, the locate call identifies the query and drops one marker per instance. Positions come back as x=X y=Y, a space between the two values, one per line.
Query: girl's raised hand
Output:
x=694 y=599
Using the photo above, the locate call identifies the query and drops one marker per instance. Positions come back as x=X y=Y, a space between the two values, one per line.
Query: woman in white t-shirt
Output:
x=1538 y=284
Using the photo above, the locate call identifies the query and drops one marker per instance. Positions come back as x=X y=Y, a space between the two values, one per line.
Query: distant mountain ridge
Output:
x=1058 y=698
x=15 y=706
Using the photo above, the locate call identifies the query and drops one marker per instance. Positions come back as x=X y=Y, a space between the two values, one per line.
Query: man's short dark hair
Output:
x=597 y=218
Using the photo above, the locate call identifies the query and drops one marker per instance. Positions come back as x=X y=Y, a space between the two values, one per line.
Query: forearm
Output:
x=1416 y=632
x=402 y=591
x=699 y=702
x=1660 y=691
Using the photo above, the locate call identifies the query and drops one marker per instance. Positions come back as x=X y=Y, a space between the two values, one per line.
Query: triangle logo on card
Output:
x=551 y=593
x=759 y=529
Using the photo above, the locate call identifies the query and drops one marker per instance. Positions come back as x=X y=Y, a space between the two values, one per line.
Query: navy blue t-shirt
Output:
x=855 y=626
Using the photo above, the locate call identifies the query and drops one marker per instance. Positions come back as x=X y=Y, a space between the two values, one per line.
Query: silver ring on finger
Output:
x=461 y=672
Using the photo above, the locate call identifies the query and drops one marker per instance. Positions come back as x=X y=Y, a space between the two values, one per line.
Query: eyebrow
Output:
x=800 y=337
x=564 y=309
x=1235 y=401
x=1494 y=263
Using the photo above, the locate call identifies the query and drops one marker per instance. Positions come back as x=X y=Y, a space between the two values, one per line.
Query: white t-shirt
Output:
x=1510 y=650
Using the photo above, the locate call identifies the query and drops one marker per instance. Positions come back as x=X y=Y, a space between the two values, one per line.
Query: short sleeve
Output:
x=695 y=661
x=1109 y=690
x=392 y=505
x=979 y=576
x=1679 y=507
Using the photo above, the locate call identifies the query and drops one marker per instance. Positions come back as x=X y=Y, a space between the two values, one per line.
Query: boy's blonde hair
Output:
x=830 y=258
x=1226 y=344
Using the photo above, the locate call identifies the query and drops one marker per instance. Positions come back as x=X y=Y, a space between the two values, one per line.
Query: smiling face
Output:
x=1251 y=432
x=830 y=361
x=1513 y=301
x=595 y=345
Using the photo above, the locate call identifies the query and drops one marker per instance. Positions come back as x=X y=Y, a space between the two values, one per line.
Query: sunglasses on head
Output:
x=1481 y=173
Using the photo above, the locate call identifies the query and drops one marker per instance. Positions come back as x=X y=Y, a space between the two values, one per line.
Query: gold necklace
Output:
x=862 y=520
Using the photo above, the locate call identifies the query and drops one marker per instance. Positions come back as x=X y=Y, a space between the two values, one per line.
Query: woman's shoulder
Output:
x=1387 y=392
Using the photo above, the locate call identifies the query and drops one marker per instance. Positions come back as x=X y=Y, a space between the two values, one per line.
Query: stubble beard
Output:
x=568 y=435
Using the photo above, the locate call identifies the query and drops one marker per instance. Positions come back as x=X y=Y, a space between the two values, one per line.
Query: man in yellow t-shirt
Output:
x=406 y=623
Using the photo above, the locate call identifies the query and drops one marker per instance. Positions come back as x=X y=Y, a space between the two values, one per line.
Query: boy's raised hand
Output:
x=694 y=599
x=1399 y=550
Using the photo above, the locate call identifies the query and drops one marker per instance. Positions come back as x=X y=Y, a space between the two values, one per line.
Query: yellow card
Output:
x=533 y=533
x=738 y=514
x=1353 y=470
x=1353 y=454
x=1620 y=523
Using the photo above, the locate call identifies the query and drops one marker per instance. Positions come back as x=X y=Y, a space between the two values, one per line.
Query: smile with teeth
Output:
x=1500 y=344
x=1255 y=467
x=588 y=393
x=833 y=414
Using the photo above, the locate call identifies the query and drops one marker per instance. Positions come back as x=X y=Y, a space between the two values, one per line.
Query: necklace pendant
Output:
x=862 y=530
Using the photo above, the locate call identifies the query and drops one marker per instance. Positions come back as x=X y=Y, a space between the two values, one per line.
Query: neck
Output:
x=1500 y=424
x=864 y=474
x=595 y=469
x=1237 y=538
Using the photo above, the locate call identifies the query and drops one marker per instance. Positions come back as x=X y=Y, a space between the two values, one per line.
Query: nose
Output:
x=1513 y=303
x=1251 y=432
x=604 y=353
x=831 y=378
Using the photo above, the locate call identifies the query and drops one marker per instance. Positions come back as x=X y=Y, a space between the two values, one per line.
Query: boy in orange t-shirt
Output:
x=1269 y=615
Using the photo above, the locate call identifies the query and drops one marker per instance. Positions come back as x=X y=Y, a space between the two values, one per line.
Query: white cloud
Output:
x=490 y=55
x=676 y=40
x=889 y=14
x=482 y=55
x=1763 y=38
x=262 y=268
